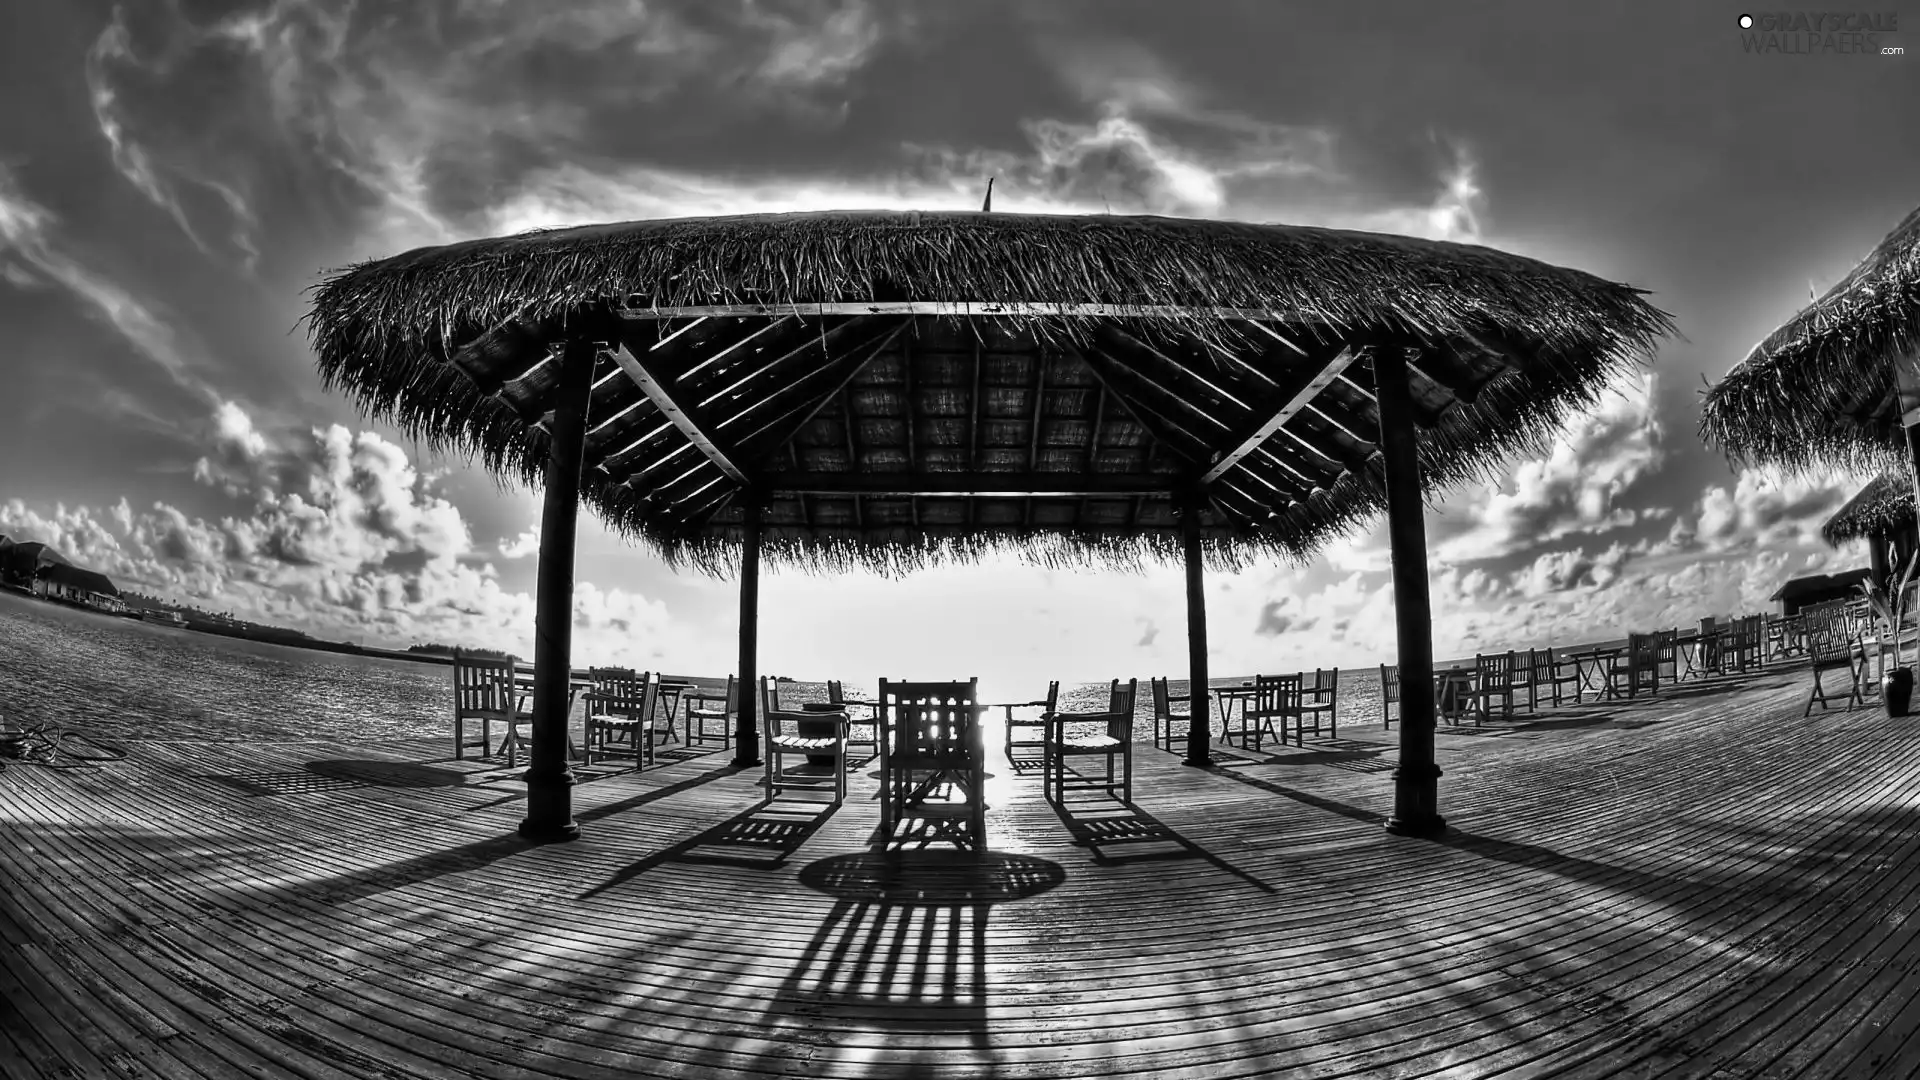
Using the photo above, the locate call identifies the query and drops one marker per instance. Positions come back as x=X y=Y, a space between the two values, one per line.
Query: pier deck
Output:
x=1701 y=885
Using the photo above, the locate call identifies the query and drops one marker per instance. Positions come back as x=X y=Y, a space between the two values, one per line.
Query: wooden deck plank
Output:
x=1625 y=878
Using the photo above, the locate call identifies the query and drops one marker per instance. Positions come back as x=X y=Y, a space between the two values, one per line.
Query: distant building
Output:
x=77 y=585
x=1819 y=588
x=21 y=562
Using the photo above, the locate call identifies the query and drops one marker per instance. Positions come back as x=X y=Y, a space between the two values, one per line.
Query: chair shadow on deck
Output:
x=903 y=951
x=1118 y=832
x=763 y=836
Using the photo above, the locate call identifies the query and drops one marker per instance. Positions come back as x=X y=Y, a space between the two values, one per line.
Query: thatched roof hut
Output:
x=1820 y=390
x=813 y=344
x=889 y=390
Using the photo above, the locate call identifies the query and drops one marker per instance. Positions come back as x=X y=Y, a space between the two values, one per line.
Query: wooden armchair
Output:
x=1113 y=739
x=933 y=761
x=820 y=738
x=704 y=706
x=1276 y=701
x=1830 y=649
x=837 y=695
x=1635 y=668
x=1389 y=693
x=1526 y=676
x=484 y=693
x=1030 y=732
x=1557 y=671
x=1165 y=720
x=1492 y=681
x=620 y=715
x=1666 y=654
x=1320 y=698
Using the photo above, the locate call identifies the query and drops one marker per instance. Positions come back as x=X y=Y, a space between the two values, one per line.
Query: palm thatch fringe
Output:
x=1819 y=391
x=384 y=332
x=1884 y=507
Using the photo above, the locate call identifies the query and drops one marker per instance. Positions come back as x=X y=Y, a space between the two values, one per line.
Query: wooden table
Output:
x=523 y=685
x=1224 y=698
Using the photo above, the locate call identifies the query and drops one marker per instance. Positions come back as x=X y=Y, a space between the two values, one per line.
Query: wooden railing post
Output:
x=1416 y=781
x=549 y=775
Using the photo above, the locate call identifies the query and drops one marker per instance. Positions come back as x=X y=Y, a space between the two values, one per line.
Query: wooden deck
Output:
x=1700 y=886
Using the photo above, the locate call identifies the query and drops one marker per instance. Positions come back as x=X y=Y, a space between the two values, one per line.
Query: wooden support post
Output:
x=549 y=776
x=746 y=739
x=1200 y=726
x=1877 y=565
x=1416 y=782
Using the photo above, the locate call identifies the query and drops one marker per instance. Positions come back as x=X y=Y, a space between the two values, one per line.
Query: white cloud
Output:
x=27 y=230
x=527 y=543
x=1576 y=489
x=1766 y=510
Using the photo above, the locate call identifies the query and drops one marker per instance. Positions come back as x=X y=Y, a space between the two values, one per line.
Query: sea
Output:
x=123 y=680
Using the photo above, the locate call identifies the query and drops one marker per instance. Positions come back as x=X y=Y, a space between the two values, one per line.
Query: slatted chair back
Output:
x=1666 y=654
x=482 y=685
x=1831 y=649
x=1027 y=730
x=1526 y=675
x=931 y=760
x=1165 y=720
x=706 y=706
x=1389 y=693
x=922 y=719
x=1559 y=670
x=1276 y=706
x=619 y=705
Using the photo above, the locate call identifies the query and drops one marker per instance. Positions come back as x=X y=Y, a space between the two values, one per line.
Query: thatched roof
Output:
x=1820 y=389
x=908 y=387
x=1883 y=508
x=1822 y=585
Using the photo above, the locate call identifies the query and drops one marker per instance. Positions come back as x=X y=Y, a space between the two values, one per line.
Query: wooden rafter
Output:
x=906 y=409
x=822 y=341
x=834 y=376
x=659 y=386
x=1160 y=430
x=912 y=485
x=1147 y=349
x=1265 y=429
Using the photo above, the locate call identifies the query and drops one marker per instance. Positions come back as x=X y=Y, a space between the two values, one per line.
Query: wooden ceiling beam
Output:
x=658 y=385
x=1259 y=317
x=913 y=485
x=1266 y=428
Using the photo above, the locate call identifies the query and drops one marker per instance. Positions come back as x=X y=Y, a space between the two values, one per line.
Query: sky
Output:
x=176 y=174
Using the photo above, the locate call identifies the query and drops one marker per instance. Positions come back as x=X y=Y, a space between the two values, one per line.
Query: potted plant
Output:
x=1888 y=602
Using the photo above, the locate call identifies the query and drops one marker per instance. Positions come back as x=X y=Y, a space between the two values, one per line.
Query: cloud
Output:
x=527 y=543
x=28 y=231
x=1578 y=488
x=355 y=546
x=1765 y=509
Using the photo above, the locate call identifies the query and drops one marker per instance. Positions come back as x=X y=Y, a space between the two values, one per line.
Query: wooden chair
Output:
x=837 y=695
x=1666 y=654
x=818 y=737
x=1526 y=676
x=620 y=715
x=1830 y=649
x=484 y=693
x=1320 y=698
x=1276 y=701
x=1492 y=681
x=1389 y=693
x=704 y=706
x=1034 y=727
x=933 y=761
x=1165 y=720
x=1557 y=672
x=1635 y=668
x=1746 y=645
x=1115 y=740
x=1708 y=650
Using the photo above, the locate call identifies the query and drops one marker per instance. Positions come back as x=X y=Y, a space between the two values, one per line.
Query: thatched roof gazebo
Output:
x=1826 y=388
x=890 y=390
x=1882 y=513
